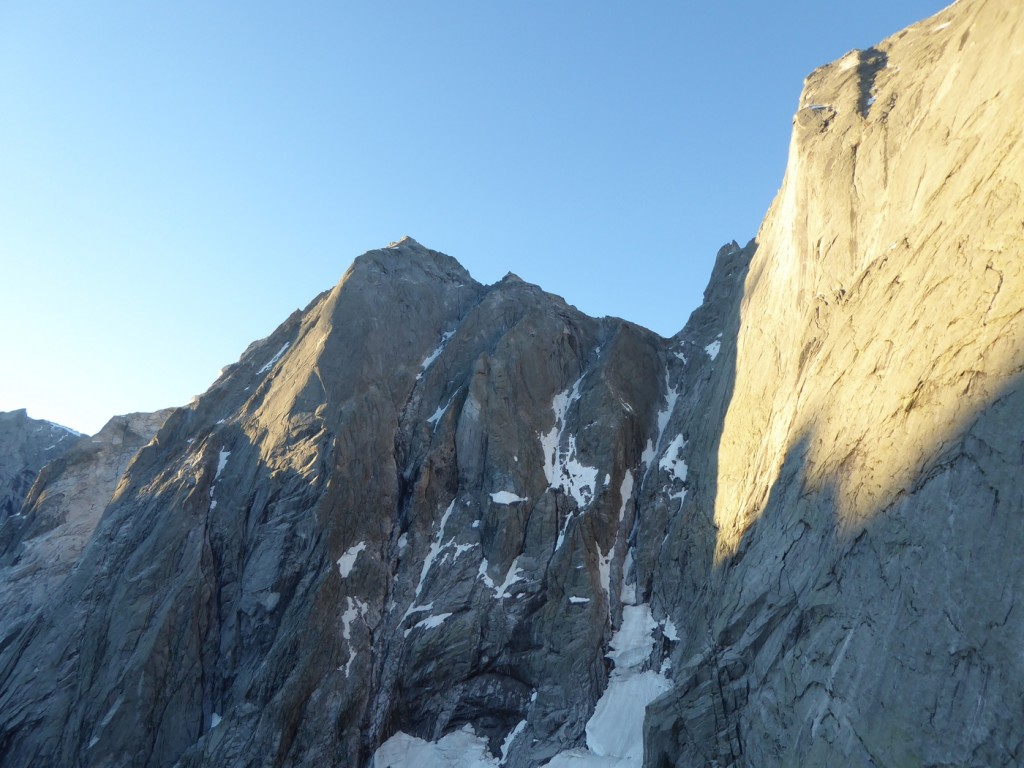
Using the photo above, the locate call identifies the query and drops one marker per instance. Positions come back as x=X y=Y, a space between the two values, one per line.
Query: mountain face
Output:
x=41 y=544
x=429 y=522
x=26 y=446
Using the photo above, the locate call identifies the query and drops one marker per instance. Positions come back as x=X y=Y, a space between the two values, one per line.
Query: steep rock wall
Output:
x=869 y=498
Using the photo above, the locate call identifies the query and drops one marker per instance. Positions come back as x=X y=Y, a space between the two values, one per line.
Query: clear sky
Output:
x=177 y=177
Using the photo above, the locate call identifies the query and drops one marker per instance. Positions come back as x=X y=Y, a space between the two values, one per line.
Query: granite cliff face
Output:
x=429 y=522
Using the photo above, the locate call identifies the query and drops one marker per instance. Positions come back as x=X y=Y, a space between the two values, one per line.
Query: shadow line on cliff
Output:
x=821 y=628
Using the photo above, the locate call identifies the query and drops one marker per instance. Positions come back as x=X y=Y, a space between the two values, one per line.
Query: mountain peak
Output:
x=404 y=242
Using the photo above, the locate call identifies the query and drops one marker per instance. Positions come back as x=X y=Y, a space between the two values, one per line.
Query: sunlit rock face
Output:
x=862 y=606
x=429 y=522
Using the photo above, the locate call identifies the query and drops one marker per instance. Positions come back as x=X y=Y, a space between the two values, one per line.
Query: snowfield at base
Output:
x=506 y=497
x=459 y=749
x=615 y=732
x=348 y=561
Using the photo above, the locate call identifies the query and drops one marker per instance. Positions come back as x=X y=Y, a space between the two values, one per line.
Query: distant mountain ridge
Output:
x=430 y=522
x=26 y=446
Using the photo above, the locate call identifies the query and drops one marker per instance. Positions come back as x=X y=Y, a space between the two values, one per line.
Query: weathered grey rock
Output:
x=424 y=505
x=42 y=543
x=26 y=446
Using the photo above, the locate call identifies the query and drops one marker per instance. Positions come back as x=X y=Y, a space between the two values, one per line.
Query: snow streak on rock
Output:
x=429 y=360
x=562 y=467
x=653 y=448
x=272 y=361
x=438 y=549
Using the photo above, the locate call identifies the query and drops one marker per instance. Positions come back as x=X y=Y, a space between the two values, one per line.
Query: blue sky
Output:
x=177 y=177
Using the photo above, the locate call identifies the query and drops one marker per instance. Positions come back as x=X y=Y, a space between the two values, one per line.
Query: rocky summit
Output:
x=429 y=522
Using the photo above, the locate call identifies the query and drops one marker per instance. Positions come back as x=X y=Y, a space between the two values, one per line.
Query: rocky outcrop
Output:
x=432 y=522
x=42 y=543
x=26 y=446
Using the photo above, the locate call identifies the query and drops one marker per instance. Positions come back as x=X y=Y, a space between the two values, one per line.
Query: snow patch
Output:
x=627 y=594
x=669 y=631
x=215 y=720
x=441 y=410
x=348 y=561
x=605 y=562
x=672 y=463
x=430 y=622
x=222 y=461
x=713 y=349
x=356 y=610
x=62 y=428
x=578 y=600
x=562 y=466
x=435 y=550
x=429 y=359
x=506 y=497
x=274 y=359
x=514 y=574
x=439 y=548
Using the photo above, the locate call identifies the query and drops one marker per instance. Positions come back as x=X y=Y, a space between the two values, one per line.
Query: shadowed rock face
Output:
x=26 y=446
x=424 y=505
x=42 y=544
